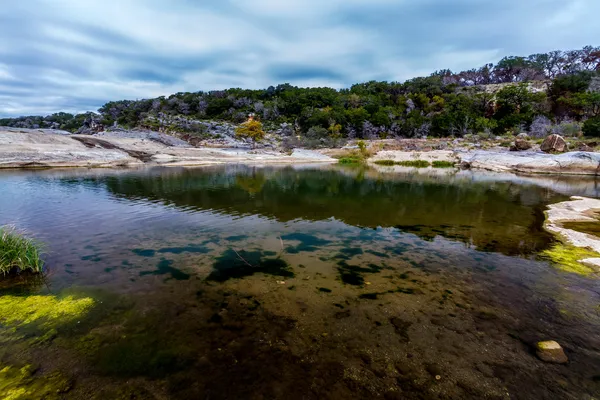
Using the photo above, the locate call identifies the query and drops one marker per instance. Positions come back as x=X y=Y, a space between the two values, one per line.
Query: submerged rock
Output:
x=551 y=352
x=554 y=144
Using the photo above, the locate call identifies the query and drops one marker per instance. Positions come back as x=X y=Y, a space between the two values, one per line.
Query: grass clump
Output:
x=385 y=162
x=443 y=164
x=18 y=252
x=349 y=160
x=415 y=163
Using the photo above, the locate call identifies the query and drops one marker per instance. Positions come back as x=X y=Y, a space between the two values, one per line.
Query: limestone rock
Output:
x=523 y=135
x=551 y=352
x=554 y=144
x=520 y=145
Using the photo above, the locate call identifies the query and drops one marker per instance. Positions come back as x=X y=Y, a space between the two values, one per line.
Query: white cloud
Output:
x=76 y=55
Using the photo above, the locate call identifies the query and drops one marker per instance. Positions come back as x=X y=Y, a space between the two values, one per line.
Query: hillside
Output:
x=556 y=92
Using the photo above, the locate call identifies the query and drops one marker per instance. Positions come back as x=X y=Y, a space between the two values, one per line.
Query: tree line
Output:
x=543 y=93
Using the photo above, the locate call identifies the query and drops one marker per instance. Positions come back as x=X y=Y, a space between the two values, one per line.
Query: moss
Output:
x=566 y=258
x=21 y=384
x=48 y=311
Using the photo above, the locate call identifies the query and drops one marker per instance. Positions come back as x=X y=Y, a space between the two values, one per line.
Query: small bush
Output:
x=591 y=127
x=18 y=252
x=415 y=163
x=385 y=162
x=349 y=160
x=567 y=129
x=443 y=164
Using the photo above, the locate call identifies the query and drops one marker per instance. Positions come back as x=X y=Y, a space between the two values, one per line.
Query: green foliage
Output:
x=443 y=164
x=415 y=163
x=591 y=127
x=385 y=162
x=423 y=106
x=349 y=160
x=18 y=252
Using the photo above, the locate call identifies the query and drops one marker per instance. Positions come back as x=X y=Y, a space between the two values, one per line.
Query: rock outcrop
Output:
x=554 y=144
x=43 y=150
x=574 y=163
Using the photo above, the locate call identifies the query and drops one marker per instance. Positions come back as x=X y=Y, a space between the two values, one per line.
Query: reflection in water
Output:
x=308 y=283
x=498 y=217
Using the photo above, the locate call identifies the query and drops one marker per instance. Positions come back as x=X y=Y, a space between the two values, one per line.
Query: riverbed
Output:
x=304 y=281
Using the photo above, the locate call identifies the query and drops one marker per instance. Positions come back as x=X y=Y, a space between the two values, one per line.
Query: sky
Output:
x=75 y=55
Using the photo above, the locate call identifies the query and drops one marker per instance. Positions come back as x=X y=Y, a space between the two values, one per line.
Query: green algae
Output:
x=566 y=258
x=47 y=311
x=23 y=384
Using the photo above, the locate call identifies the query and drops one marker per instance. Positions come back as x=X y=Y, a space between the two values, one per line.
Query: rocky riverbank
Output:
x=23 y=148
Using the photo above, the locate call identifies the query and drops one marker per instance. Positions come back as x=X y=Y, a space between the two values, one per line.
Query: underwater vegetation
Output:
x=353 y=274
x=307 y=242
x=23 y=384
x=232 y=265
x=48 y=311
x=164 y=267
x=18 y=252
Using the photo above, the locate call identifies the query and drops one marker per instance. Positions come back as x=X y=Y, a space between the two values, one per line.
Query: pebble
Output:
x=551 y=352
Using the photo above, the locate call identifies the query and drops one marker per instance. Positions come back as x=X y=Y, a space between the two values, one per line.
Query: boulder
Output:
x=520 y=145
x=554 y=144
x=523 y=135
x=551 y=352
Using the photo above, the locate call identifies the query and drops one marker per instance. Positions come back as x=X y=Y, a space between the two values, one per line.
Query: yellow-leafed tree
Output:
x=251 y=129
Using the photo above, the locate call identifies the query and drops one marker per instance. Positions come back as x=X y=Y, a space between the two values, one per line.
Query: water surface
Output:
x=305 y=282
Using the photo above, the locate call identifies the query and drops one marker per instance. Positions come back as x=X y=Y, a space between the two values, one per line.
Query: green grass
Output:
x=18 y=252
x=415 y=163
x=443 y=164
x=385 y=162
x=349 y=160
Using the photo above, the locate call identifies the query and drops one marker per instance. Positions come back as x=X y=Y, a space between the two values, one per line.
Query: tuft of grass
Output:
x=349 y=160
x=385 y=162
x=443 y=164
x=415 y=163
x=18 y=252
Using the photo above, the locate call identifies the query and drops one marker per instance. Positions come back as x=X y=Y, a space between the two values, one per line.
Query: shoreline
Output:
x=42 y=150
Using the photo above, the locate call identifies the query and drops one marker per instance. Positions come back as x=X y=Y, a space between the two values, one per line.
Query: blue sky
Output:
x=74 y=55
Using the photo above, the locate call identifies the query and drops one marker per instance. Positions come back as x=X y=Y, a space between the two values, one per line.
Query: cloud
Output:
x=70 y=55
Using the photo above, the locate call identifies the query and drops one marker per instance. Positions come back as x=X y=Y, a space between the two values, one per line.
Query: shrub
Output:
x=567 y=129
x=591 y=127
x=385 y=162
x=350 y=160
x=18 y=252
x=540 y=127
x=415 y=163
x=251 y=129
x=443 y=164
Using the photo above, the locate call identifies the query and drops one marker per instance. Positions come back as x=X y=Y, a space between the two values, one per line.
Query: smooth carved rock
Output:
x=551 y=352
x=554 y=144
